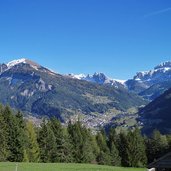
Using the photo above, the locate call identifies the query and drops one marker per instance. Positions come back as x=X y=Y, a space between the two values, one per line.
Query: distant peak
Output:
x=166 y=64
x=161 y=70
x=100 y=74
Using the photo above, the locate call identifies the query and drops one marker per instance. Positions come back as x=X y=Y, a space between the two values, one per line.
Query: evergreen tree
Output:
x=47 y=143
x=87 y=148
x=114 y=152
x=136 y=149
x=104 y=157
x=157 y=146
x=76 y=139
x=32 y=148
x=64 y=147
x=14 y=137
x=83 y=144
x=21 y=128
x=96 y=149
x=3 y=139
x=122 y=146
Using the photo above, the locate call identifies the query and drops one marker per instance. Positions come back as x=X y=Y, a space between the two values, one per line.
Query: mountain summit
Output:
x=151 y=84
x=161 y=72
x=22 y=61
x=165 y=65
x=11 y=64
x=100 y=78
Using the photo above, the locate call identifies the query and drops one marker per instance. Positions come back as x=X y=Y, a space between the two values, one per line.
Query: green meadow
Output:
x=61 y=167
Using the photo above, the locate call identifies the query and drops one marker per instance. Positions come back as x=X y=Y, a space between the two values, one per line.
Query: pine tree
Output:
x=14 y=137
x=76 y=140
x=136 y=149
x=32 y=148
x=123 y=151
x=64 y=147
x=3 y=139
x=47 y=143
x=82 y=142
x=87 y=148
x=104 y=157
x=21 y=128
x=114 y=152
x=157 y=146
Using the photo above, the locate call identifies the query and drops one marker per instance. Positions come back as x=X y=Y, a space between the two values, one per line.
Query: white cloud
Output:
x=157 y=12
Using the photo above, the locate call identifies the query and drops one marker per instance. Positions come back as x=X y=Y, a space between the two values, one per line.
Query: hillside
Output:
x=157 y=114
x=36 y=90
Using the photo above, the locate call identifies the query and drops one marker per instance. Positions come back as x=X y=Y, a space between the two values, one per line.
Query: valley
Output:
x=96 y=100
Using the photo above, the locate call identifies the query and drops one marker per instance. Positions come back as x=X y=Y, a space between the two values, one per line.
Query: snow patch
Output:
x=78 y=76
x=35 y=67
x=99 y=78
x=120 y=81
x=16 y=62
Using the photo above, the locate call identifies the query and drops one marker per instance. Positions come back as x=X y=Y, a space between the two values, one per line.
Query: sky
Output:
x=116 y=37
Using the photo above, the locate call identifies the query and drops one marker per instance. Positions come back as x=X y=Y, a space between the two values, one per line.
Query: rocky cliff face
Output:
x=100 y=78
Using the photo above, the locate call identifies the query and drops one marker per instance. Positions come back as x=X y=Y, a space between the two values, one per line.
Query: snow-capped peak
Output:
x=23 y=61
x=166 y=64
x=102 y=77
x=16 y=62
x=99 y=78
x=160 y=72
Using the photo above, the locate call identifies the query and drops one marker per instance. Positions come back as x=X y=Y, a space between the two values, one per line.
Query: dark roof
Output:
x=163 y=162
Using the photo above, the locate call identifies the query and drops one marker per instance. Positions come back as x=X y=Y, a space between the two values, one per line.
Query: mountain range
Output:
x=95 y=99
x=148 y=84
x=38 y=91
x=99 y=78
x=153 y=83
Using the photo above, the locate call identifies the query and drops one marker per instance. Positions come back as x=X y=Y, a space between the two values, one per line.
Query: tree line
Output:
x=21 y=141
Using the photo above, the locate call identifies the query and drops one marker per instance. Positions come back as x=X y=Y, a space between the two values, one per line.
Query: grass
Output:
x=61 y=167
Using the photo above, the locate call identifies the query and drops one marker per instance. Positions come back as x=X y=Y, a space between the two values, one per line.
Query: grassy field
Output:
x=61 y=167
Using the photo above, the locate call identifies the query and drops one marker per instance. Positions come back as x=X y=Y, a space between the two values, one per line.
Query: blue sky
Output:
x=117 y=37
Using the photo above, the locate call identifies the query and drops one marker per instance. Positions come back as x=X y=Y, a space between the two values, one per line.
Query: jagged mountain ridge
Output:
x=161 y=72
x=151 y=84
x=36 y=90
x=100 y=78
x=148 y=84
